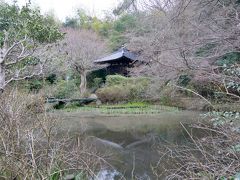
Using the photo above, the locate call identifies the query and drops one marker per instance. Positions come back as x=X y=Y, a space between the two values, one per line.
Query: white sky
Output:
x=63 y=8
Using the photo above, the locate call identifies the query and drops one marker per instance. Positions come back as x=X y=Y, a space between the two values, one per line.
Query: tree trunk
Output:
x=83 y=84
x=3 y=51
x=2 y=77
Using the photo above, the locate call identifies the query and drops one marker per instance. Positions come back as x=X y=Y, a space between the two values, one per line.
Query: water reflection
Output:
x=136 y=137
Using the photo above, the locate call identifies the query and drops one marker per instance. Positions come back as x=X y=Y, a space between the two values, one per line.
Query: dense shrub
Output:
x=66 y=89
x=52 y=88
x=35 y=85
x=52 y=78
x=112 y=80
x=119 y=88
x=113 y=94
x=184 y=80
x=228 y=59
x=95 y=78
x=210 y=90
x=97 y=82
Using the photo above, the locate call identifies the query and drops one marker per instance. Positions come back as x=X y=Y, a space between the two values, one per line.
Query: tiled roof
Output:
x=123 y=52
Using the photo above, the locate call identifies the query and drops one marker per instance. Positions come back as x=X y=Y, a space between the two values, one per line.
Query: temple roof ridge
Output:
x=123 y=52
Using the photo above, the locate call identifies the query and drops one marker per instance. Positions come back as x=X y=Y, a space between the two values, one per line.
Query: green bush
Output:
x=228 y=59
x=119 y=88
x=113 y=94
x=205 y=50
x=94 y=77
x=34 y=85
x=97 y=82
x=112 y=80
x=184 y=80
x=66 y=89
x=52 y=78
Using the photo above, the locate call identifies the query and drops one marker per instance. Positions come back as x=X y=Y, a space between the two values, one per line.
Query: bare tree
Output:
x=190 y=37
x=26 y=37
x=18 y=62
x=31 y=146
x=83 y=47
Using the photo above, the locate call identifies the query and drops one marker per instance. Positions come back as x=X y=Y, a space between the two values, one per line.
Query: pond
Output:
x=130 y=138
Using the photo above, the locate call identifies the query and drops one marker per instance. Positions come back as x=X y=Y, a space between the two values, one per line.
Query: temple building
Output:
x=118 y=62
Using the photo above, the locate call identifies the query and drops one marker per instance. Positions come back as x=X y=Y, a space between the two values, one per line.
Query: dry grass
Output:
x=215 y=156
x=32 y=148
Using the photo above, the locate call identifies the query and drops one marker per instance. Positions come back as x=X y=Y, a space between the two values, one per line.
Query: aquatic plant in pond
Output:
x=125 y=109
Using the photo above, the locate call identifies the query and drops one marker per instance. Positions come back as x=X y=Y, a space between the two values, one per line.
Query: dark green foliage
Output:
x=121 y=26
x=32 y=85
x=84 y=21
x=51 y=78
x=113 y=30
x=205 y=50
x=232 y=70
x=222 y=118
x=8 y=14
x=21 y=22
x=97 y=77
x=65 y=89
x=104 y=29
x=35 y=85
x=229 y=59
x=70 y=22
x=116 y=40
x=230 y=2
x=112 y=80
x=207 y=90
x=228 y=65
x=183 y=80
x=97 y=82
x=55 y=175
x=125 y=23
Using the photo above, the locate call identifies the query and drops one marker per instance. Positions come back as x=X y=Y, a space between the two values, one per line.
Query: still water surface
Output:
x=131 y=138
